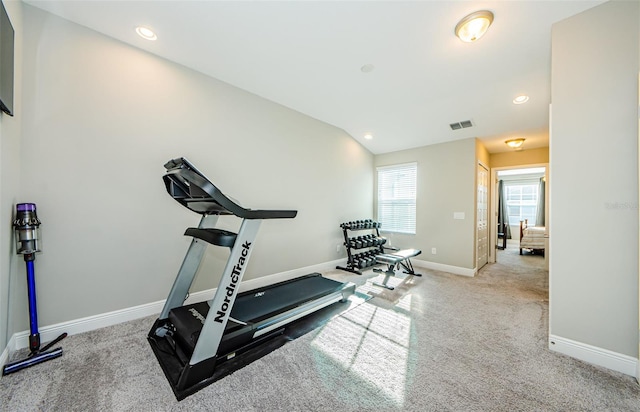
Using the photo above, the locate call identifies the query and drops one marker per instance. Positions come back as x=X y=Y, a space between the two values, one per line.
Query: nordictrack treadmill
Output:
x=200 y=343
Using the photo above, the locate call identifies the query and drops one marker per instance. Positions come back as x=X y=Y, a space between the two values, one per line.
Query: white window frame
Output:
x=519 y=202
x=396 y=205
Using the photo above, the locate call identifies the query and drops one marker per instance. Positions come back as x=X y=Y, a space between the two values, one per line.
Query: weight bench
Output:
x=399 y=258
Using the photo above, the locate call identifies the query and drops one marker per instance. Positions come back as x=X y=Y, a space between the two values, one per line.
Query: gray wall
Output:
x=594 y=175
x=10 y=131
x=446 y=184
x=100 y=119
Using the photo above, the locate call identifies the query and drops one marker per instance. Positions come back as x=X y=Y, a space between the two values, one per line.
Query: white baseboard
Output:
x=20 y=340
x=89 y=323
x=594 y=355
x=11 y=347
x=4 y=357
x=456 y=270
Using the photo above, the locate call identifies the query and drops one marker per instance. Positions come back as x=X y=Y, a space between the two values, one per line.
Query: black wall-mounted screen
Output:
x=6 y=62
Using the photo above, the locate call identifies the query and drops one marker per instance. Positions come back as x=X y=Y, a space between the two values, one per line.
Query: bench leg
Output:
x=396 y=263
x=387 y=274
x=408 y=268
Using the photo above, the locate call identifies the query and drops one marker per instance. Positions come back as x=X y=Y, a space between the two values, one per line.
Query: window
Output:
x=397 y=198
x=521 y=194
x=522 y=201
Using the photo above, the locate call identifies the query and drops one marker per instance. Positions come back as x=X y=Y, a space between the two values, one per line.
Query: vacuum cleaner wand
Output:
x=27 y=229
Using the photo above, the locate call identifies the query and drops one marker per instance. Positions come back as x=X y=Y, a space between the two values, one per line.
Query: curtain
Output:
x=540 y=206
x=503 y=213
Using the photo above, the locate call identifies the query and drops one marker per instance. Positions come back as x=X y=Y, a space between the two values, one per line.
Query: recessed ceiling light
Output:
x=368 y=136
x=474 y=26
x=146 y=33
x=523 y=98
x=367 y=68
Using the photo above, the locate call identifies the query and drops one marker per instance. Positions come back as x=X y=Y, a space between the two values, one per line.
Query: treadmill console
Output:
x=191 y=188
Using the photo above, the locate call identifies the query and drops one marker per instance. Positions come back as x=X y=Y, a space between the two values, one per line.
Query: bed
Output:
x=531 y=237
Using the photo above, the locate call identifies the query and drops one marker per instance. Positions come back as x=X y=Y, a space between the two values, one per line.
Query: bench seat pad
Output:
x=397 y=256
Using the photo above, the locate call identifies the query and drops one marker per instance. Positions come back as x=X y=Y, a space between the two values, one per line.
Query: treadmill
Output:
x=199 y=343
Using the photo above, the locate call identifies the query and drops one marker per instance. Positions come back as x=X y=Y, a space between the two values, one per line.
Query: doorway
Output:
x=525 y=197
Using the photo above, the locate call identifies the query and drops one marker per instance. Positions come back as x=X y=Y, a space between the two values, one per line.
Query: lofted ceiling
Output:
x=310 y=55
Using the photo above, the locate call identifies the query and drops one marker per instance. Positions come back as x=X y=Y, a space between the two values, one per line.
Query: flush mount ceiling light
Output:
x=515 y=143
x=474 y=26
x=368 y=136
x=523 y=98
x=146 y=33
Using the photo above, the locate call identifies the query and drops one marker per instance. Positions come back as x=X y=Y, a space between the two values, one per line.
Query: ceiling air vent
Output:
x=461 y=125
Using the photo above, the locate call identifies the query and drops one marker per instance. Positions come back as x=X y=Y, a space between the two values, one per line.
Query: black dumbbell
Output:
x=371 y=260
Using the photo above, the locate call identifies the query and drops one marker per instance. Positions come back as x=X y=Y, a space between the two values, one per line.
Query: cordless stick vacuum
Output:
x=27 y=228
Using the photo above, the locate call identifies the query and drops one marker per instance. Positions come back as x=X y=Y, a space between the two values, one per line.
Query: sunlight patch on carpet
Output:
x=371 y=343
x=404 y=303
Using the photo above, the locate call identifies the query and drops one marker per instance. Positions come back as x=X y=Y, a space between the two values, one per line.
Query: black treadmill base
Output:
x=172 y=366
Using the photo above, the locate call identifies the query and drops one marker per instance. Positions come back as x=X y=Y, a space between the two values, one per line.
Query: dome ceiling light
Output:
x=474 y=26
x=515 y=143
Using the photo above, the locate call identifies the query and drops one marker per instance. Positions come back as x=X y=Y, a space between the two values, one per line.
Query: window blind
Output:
x=397 y=198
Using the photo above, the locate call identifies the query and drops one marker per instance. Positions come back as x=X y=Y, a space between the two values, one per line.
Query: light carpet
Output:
x=441 y=342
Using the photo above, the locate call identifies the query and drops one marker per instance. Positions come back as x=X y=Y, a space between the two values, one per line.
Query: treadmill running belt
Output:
x=259 y=304
x=250 y=307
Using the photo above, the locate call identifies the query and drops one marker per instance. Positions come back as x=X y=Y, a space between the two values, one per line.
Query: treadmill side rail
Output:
x=188 y=269
x=225 y=296
x=301 y=311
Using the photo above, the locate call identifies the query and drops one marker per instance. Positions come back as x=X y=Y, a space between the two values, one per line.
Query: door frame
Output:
x=638 y=363
x=475 y=254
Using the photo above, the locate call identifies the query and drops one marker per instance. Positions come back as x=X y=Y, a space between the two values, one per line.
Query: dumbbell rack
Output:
x=362 y=250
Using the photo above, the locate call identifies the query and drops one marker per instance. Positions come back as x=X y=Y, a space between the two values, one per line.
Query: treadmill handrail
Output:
x=191 y=176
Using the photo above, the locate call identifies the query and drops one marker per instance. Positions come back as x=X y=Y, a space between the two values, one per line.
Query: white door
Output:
x=482 y=217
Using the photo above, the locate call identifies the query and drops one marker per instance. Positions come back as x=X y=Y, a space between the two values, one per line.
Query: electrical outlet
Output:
x=433 y=251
